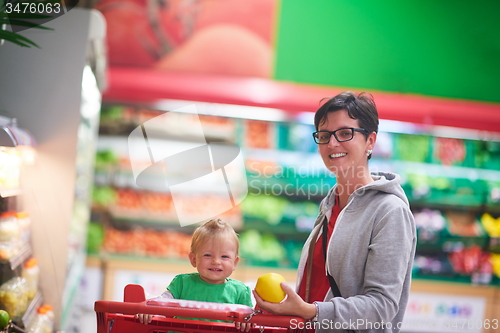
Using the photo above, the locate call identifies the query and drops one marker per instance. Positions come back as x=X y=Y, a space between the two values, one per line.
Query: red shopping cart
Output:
x=119 y=317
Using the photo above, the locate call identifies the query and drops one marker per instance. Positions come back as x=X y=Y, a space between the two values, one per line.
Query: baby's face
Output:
x=215 y=260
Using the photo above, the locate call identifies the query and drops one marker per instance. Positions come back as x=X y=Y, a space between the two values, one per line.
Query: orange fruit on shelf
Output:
x=269 y=287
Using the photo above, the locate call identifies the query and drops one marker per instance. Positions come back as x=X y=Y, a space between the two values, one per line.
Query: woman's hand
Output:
x=292 y=305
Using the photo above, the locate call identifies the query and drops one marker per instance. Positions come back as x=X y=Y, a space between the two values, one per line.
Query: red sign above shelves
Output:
x=146 y=86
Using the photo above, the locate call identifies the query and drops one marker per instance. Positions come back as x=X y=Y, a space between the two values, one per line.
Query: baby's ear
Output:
x=236 y=261
x=192 y=259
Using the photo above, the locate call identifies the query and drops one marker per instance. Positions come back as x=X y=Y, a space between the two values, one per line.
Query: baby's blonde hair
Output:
x=214 y=229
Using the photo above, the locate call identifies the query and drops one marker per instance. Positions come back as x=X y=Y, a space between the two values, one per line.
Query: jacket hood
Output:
x=388 y=182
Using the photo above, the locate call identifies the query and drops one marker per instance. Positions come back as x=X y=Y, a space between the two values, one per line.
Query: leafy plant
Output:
x=21 y=19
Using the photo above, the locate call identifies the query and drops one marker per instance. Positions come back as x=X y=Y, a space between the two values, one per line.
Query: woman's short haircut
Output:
x=361 y=107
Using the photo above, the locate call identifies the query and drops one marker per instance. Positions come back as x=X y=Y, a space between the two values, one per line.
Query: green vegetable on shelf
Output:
x=104 y=196
x=414 y=148
x=440 y=183
x=105 y=158
x=295 y=210
x=114 y=112
x=95 y=237
x=263 y=248
x=419 y=184
x=265 y=207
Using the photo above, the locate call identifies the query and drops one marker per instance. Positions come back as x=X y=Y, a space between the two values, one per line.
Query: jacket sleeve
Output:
x=388 y=263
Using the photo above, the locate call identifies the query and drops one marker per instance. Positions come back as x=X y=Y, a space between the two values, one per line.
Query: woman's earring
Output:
x=369 y=152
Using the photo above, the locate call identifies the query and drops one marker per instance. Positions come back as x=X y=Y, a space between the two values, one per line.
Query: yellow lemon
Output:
x=269 y=289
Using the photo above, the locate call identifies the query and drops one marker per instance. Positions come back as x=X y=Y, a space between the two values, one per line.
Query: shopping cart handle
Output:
x=135 y=302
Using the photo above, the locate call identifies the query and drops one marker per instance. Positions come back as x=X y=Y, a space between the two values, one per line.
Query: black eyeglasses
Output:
x=342 y=135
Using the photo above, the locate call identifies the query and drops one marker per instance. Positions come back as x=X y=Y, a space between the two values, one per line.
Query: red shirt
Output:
x=319 y=283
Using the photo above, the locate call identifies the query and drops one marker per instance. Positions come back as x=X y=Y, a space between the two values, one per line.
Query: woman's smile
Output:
x=337 y=155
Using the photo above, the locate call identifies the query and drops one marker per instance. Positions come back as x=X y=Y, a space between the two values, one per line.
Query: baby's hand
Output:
x=144 y=318
x=243 y=327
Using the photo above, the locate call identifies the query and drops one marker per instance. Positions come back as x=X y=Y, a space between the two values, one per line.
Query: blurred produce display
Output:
x=473 y=261
x=104 y=196
x=14 y=297
x=432 y=266
x=491 y=225
x=261 y=249
x=449 y=151
x=259 y=134
x=495 y=262
x=155 y=207
x=268 y=208
x=429 y=224
x=463 y=224
x=105 y=159
x=147 y=242
x=453 y=244
x=95 y=237
x=453 y=185
x=413 y=148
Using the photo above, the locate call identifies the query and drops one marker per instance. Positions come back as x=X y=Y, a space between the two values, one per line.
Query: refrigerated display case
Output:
x=19 y=289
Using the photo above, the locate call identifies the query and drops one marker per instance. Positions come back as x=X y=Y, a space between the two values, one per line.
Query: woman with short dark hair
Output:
x=355 y=269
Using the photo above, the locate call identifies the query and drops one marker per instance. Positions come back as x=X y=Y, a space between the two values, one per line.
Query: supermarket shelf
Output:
x=35 y=303
x=463 y=280
x=126 y=223
x=448 y=204
x=437 y=170
x=281 y=229
x=158 y=221
x=122 y=222
x=446 y=244
x=494 y=245
x=141 y=217
x=23 y=254
x=111 y=130
x=115 y=257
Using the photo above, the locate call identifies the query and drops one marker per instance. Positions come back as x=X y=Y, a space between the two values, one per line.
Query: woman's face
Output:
x=345 y=159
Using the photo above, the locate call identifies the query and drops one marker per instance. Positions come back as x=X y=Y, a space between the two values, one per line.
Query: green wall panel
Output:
x=430 y=47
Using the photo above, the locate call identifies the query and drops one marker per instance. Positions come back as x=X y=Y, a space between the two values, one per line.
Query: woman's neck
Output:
x=347 y=186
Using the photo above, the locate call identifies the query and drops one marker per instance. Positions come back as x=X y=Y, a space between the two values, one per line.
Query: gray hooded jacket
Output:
x=370 y=256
